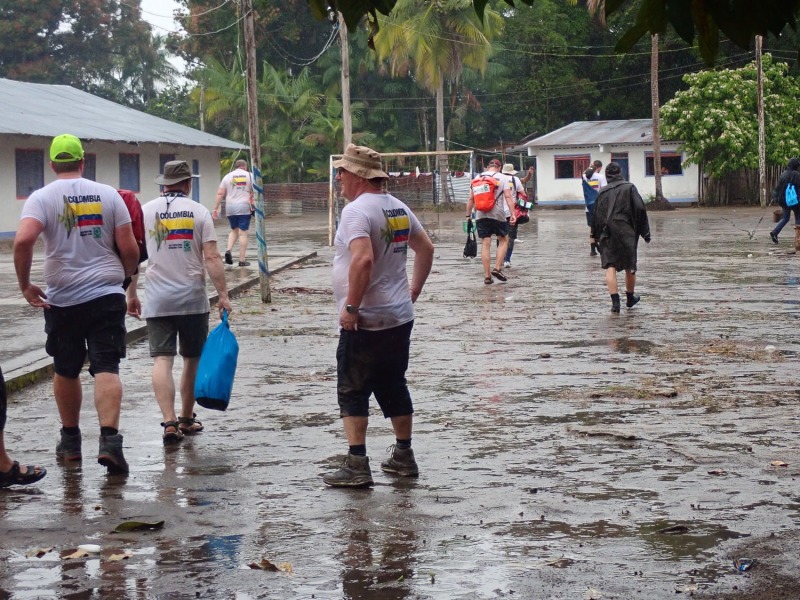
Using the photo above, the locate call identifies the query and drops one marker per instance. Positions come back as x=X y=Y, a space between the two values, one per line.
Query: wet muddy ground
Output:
x=565 y=452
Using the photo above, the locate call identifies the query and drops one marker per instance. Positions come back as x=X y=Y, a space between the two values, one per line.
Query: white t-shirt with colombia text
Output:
x=388 y=223
x=238 y=186
x=80 y=217
x=175 y=281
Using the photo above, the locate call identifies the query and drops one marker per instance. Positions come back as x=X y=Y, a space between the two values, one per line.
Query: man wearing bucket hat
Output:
x=181 y=247
x=376 y=313
x=89 y=250
x=518 y=193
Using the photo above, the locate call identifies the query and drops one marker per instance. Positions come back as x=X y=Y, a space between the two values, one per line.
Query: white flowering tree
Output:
x=716 y=118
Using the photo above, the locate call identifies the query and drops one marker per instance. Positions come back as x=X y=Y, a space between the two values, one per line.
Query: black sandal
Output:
x=14 y=477
x=172 y=437
x=190 y=425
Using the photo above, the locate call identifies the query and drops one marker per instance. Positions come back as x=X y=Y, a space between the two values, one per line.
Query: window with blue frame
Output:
x=129 y=172
x=30 y=171
x=196 y=180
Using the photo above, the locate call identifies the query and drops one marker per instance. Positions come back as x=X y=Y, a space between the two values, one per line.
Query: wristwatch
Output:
x=353 y=310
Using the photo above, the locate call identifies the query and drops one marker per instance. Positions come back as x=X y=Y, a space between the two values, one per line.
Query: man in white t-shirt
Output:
x=181 y=247
x=236 y=188
x=495 y=221
x=89 y=250
x=376 y=313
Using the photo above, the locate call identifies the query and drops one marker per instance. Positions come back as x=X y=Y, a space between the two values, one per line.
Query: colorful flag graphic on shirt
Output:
x=397 y=229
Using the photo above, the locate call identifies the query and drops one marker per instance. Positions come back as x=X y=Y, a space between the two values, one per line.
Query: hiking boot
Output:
x=110 y=455
x=614 y=303
x=355 y=472
x=401 y=462
x=774 y=237
x=632 y=299
x=594 y=250
x=228 y=258
x=69 y=447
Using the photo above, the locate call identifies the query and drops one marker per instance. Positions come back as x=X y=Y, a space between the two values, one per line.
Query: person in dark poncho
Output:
x=620 y=219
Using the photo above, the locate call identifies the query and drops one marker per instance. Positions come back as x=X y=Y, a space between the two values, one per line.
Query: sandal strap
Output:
x=166 y=424
x=188 y=420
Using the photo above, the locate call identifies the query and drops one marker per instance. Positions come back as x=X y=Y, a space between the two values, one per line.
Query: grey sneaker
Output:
x=69 y=447
x=401 y=462
x=110 y=455
x=355 y=472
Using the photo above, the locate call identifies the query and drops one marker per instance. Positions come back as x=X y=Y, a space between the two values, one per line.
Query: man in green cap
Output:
x=89 y=250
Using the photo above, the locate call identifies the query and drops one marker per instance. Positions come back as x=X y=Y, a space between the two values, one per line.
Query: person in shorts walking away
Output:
x=181 y=247
x=593 y=181
x=376 y=313
x=11 y=472
x=236 y=188
x=620 y=219
x=493 y=222
x=89 y=251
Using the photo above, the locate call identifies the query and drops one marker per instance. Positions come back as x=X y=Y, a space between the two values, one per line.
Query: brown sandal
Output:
x=190 y=425
x=175 y=435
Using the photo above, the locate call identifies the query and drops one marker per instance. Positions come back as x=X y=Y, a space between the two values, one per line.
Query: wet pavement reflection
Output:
x=562 y=448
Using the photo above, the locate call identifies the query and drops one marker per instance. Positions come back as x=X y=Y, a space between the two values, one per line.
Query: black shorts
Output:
x=191 y=330
x=374 y=362
x=96 y=328
x=489 y=227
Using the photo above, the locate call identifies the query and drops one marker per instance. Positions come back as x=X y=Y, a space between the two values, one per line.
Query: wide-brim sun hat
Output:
x=509 y=169
x=175 y=171
x=361 y=161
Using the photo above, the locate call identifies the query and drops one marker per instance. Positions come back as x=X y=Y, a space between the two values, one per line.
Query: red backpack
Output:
x=137 y=221
x=484 y=192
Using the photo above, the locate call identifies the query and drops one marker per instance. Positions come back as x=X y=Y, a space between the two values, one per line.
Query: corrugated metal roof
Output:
x=590 y=133
x=49 y=110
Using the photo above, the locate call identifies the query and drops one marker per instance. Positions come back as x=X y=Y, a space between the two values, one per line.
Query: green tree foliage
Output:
x=716 y=117
x=100 y=46
x=701 y=22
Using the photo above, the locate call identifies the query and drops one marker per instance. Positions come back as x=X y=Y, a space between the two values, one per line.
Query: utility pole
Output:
x=347 y=120
x=255 y=150
x=762 y=175
x=655 y=108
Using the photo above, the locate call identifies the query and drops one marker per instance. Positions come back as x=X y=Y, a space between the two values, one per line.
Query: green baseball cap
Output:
x=65 y=148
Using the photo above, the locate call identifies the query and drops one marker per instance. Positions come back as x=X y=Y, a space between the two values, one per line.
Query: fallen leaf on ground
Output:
x=138 y=526
x=76 y=554
x=779 y=463
x=266 y=565
x=717 y=472
x=119 y=557
x=674 y=530
x=37 y=552
x=560 y=563
x=592 y=594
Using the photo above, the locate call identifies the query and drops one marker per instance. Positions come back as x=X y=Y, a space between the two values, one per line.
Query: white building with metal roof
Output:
x=564 y=154
x=125 y=148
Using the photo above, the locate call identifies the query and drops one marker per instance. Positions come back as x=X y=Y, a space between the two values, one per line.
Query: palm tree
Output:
x=435 y=40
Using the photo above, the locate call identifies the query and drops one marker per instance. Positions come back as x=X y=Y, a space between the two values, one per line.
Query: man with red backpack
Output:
x=488 y=193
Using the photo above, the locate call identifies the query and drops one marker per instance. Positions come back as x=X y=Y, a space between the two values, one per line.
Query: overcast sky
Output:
x=159 y=14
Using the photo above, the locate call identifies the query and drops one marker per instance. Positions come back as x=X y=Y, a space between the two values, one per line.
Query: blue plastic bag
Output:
x=217 y=368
